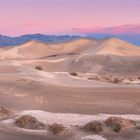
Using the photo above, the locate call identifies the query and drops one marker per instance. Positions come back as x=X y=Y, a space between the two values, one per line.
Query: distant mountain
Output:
x=129 y=33
x=131 y=38
x=13 y=41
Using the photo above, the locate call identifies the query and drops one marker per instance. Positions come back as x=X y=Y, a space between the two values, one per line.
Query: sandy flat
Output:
x=60 y=92
x=54 y=90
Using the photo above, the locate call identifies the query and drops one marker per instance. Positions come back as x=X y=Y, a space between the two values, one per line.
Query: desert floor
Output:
x=24 y=88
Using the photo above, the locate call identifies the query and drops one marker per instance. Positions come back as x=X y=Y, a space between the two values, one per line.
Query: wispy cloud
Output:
x=123 y=29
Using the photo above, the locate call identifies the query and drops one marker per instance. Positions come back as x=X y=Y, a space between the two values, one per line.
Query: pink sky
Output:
x=61 y=16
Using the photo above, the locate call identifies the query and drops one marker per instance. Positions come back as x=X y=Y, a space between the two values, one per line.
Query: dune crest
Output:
x=118 y=47
x=35 y=49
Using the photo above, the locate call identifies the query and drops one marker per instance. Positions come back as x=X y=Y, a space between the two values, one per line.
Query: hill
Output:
x=108 y=56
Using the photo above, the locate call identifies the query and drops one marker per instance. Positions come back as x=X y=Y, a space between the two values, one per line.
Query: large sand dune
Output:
x=118 y=47
x=34 y=49
x=110 y=56
x=22 y=87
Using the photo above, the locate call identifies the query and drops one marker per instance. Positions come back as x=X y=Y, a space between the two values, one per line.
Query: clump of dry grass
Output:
x=38 y=68
x=117 y=124
x=138 y=78
x=96 y=78
x=4 y=112
x=138 y=127
x=56 y=128
x=107 y=78
x=73 y=73
x=93 y=126
x=29 y=122
x=116 y=80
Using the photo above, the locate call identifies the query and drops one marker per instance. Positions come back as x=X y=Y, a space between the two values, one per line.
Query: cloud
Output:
x=123 y=29
x=31 y=25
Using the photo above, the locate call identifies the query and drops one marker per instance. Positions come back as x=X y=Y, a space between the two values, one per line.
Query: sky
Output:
x=63 y=16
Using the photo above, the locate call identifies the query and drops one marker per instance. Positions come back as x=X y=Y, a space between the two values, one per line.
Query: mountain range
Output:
x=129 y=33
x=13 y=41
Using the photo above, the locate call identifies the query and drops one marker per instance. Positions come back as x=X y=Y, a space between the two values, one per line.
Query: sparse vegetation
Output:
x=94 y=126
x=138 y=127
x=29 y=122
x=130 y=79
x=74 y=73
x=139 y=78
x=117 y=124
x=116 y=80
x=97 y=78
x=4 y=112
x=38 y=68
x=56 y=128
x=107 y=78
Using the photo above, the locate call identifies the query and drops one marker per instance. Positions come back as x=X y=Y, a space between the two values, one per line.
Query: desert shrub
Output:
x=38 y=68
x=109 y=79
x=139 y=78
x=56 y=128
x=94 y=126
x=117 y=124
x=90 y=78
x=74 y=73
x=97 y=78
x=29 y=122
x=116 y=80
x=130 y=79
x=138 y=127
x=4 y=112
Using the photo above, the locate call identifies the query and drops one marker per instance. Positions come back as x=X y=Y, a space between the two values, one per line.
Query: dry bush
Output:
x=130 y=79
x=73 y=73
x=117 y=80
x=138 y=78
x=29 y=122
x=109 y=79
x=4 y=112
x=94 y=126
x=56 y=128
x=138 y=127
x=97 y=78
x=38 y=68
x=117 y=124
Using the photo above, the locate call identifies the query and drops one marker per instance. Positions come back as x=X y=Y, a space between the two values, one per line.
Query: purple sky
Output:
x=61 y=16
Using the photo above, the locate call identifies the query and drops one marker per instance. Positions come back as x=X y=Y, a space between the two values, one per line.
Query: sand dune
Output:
x=110 y=56
x=29 y=50
x=118 y=47
x=35 y=49
x=22 y=87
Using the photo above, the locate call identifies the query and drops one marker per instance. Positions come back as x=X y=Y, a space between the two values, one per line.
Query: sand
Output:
x=56 y=93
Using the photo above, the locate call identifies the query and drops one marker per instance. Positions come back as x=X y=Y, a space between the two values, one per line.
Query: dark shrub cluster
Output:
x=38 y=68
x=29 y=122
x=4 y=112
x=93 y=126
x=56 y=128
x=117 y=124
x=74 y=73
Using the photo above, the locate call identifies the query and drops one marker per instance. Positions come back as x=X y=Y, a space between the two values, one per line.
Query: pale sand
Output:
x=24 y=88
